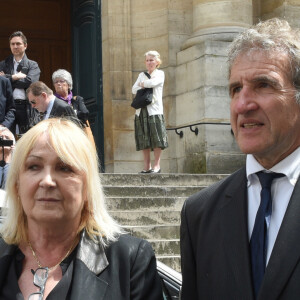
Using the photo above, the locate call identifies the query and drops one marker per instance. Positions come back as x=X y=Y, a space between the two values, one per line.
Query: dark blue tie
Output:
x=258 y=241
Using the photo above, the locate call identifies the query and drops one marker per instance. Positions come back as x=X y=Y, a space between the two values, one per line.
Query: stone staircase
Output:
x=149 y=205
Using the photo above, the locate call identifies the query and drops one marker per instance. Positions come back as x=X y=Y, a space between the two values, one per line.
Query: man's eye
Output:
x=235 y=90
x=263 y=85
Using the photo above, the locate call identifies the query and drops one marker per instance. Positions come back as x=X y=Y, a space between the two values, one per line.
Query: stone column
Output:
x=117 y=82
x=285 y=9
x=201 y=80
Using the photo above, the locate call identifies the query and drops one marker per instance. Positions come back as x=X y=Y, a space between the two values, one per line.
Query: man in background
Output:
x=240 y=237
x=42 y=99
x=21 y=72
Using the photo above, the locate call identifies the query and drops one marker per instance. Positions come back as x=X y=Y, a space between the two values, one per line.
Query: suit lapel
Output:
x=233 y=225
x=286 y=251
x=53 y=110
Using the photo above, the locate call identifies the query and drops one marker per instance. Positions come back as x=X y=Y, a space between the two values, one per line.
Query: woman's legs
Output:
x=157 y=154
x=147 y=161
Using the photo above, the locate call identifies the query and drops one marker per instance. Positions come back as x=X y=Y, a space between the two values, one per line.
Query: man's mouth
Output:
x=251 y=125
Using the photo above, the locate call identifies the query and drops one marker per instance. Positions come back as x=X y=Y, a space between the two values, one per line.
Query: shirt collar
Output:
x=289 y=166
x=17 y=62
x=50 y=105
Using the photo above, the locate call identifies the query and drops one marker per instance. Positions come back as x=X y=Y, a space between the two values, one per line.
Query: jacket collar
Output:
x=92 y=254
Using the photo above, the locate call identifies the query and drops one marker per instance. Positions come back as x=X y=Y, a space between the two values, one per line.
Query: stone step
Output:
x=155 y=232
x=172 y=261
x=166 y=247
x=151 y=191
x=113 y=179
x=136 y=218
x=145 y=203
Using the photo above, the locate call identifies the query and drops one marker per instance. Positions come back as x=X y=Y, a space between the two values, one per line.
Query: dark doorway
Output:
x=87 y=63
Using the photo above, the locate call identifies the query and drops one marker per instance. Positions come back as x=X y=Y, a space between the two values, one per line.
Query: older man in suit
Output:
x=240 y=238
x=41 y=98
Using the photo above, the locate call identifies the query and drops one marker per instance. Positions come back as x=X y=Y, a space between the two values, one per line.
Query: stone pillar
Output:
x=201 y=80
x=117 y=82
x=284 y=9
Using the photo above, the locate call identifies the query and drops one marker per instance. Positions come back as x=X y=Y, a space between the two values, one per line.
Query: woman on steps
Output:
x=149 y=123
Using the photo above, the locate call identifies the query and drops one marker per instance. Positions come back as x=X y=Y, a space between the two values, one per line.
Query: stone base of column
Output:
x=202 y=96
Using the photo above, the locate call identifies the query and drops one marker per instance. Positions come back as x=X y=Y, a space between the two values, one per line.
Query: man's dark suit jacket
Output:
x=27 y=66
x=7 y=105
x=215 y=246
x=62 y=109
x=126 y=269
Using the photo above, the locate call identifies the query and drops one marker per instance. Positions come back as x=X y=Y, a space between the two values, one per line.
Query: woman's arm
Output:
x=157 y=78
x=145 y=282
x=136 y=86
x=82 y=111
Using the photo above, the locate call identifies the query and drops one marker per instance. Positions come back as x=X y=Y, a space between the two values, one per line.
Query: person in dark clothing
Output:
x=58 y=232
x=63 y=84
x=7 y=105
x=21 y=72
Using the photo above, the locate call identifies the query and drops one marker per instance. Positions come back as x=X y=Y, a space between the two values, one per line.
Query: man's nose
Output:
x=245 y=101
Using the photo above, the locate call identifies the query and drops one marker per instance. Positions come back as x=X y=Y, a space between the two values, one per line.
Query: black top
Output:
x=11 y=290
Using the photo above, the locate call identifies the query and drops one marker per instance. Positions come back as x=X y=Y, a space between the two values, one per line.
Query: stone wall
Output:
x=192 y=37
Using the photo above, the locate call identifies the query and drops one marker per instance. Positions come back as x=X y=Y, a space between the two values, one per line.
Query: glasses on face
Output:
x=40 y=276
x=59 y=81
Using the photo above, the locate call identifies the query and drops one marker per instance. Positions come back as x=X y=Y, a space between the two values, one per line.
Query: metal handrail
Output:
x=196 y=131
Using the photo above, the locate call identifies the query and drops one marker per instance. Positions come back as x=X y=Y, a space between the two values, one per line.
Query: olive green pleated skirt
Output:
x=150 y=131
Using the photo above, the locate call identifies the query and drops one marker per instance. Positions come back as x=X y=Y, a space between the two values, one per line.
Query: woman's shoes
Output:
x=146 y=171
x=150 y=171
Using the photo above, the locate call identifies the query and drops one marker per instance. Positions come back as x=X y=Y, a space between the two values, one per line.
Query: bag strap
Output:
x=147 y=75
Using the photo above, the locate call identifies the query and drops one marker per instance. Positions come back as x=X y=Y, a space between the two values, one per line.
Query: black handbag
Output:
x=143 y=96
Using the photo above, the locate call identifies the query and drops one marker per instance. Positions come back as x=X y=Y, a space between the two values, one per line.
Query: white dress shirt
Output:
x=281 y=191
x=18 y=93
x=49 y=108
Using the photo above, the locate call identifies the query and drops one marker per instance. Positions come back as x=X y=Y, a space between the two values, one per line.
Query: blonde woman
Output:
x=149 y=124
x=58 y=240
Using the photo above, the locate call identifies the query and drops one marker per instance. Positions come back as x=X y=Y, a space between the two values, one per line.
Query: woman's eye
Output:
x=65 y=168
x=33 y=167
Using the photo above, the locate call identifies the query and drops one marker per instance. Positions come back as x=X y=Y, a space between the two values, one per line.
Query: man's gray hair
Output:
x=63 y=74
x=273 y=36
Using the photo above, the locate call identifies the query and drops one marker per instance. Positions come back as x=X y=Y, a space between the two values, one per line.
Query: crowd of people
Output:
x=239 y=237
x=25 y=101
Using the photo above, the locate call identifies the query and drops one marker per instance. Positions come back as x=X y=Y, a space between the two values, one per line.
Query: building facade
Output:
x=192 y=37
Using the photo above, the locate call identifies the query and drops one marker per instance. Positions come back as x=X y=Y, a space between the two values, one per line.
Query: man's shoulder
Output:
x=213 y=192
x=27 y=61
x=60 y=102
x=4 y=80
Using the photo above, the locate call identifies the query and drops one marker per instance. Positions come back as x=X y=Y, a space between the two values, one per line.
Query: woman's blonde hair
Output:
x=74 y=148
x=156 y=55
